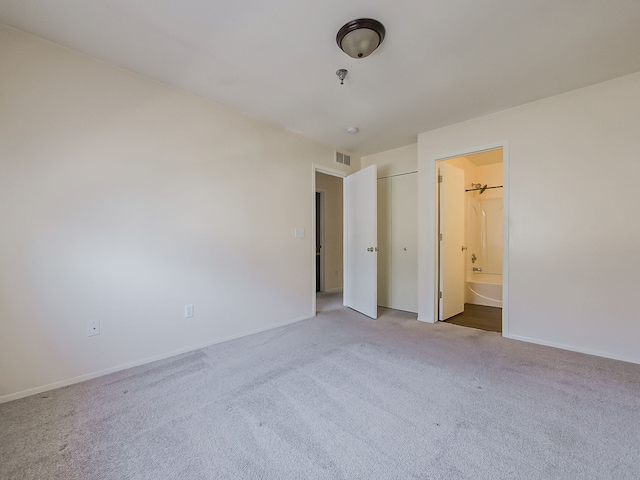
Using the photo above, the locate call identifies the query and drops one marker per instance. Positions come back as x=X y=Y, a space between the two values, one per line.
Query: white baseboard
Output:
x=574 y=348
x=88 y=376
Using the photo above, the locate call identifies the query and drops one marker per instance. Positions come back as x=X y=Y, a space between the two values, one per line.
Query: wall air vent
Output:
x=343 y=158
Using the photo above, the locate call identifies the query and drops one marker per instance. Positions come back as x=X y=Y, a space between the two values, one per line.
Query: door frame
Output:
x=505 y=226
x=334 y=173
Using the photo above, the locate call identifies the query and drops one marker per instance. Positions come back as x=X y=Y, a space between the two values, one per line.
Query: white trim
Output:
x=504 y=145
x=471 y=151
x=345 y=249
x=328 y=171
x=506 y=192
x=88 y=376
x=436 y=293
x=572 y=348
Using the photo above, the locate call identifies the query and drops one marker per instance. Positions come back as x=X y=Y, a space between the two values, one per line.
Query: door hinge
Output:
x=439 y=178
x=440 y=237
x=440 y=295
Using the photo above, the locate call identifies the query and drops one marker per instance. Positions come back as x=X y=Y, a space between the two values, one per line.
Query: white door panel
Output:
x=404 y=239
x=398 y=240
x=452 y=231
x=361 y=224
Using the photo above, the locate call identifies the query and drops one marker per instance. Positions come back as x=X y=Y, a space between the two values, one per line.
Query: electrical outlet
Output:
x=188 y=311
x=93 y=328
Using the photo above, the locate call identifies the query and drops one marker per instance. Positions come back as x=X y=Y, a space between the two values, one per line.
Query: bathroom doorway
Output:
x=470 y=232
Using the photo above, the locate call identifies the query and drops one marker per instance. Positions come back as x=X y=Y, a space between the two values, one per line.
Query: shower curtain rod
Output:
x=483 y=189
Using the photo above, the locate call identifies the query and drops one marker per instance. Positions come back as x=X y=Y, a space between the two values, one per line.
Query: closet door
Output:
x=398 y=240
x=384 y=242
x=404 y=242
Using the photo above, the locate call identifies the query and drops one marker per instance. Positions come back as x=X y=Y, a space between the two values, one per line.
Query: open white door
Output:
x=451 y=241
x=361 y=241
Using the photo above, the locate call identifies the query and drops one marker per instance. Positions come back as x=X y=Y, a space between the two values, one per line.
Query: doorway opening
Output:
x=328 y=234
x=470 y=256
x=320 y=234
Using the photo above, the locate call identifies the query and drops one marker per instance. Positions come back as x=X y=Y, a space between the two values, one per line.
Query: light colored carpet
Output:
x=339 y=396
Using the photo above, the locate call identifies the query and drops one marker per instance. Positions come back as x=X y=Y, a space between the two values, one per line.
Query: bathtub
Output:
x=484 y=289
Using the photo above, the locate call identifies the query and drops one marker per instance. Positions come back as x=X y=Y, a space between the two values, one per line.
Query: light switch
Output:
x=299 y=233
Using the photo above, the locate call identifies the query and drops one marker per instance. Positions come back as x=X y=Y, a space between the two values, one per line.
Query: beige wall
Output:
x=122 y=201
x=491 y=175
x=571 y=175
x=333 y=244
x=393 y=162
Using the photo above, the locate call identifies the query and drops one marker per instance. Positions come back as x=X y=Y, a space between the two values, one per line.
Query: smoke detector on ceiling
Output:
x=352 y=130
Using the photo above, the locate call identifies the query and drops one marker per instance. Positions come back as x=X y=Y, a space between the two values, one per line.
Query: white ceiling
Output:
x=442 y=61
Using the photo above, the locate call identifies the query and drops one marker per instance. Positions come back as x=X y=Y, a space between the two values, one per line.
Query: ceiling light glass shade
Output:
x=359 y=38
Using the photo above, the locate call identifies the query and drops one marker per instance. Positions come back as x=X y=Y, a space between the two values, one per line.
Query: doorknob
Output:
x=464 y=248
x=370 y=249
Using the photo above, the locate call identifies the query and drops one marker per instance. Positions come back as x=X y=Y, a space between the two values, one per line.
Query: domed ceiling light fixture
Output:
x=359 y=38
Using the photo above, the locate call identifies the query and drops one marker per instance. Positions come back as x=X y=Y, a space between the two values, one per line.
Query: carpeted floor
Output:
x=339 y=396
